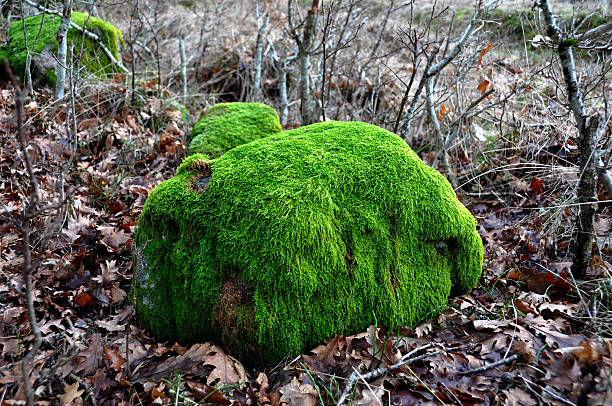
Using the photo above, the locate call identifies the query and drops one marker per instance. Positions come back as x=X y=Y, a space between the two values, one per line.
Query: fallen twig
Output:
x=492 y=365
x=549 y=392
x=405 y=360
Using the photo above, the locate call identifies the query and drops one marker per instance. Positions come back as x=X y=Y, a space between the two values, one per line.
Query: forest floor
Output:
x=524 y=311
x=528 y=334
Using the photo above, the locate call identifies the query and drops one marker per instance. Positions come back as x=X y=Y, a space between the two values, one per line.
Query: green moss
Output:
x=290 y=239
x=93 y=59
x=227 y=125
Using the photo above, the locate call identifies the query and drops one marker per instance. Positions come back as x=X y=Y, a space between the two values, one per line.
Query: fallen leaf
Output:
x=423 y=329
x=225 y=370
x=296 y=394
x=116 y=239
x=108 y=272
x=88 y=360
x=83 y=299
x=114 y=358
x=110 y=325
x=213 y=395
x=71 y=393
x=495 y=325
x=324 y=354
x=518 y=397
x=229 y=371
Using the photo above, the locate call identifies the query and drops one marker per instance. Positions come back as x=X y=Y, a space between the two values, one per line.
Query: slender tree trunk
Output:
x=282 y=83
x=307 y=108
x=28 y=64
x=62 y=32
x=183 y=65
x=429 y=90
x=587 y=136
x=202 y=46
x=261 y=34
x=28 y=74
x=587 y=195
x=410 y=113
x=25 y=228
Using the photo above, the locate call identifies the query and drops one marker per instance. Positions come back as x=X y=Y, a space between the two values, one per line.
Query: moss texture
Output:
x=227 y=125
x=285 y=241
x=93 y=59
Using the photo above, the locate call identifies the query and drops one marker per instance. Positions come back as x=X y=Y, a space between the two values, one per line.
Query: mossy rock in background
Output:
x=290 y=239
x=45 y=47
x=227 y=125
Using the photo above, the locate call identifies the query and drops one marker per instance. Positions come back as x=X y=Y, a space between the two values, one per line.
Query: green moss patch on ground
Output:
x=93 y=58
x=227 y=125
x=290 y=239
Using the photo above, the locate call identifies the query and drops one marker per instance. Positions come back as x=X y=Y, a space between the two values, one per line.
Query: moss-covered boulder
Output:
x=44 y=48
x=290 y=239
x=227 y=125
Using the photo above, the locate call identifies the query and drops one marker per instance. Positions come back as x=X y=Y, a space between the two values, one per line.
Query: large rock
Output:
x=44 y=47
x=227 y=125
x=290 y=239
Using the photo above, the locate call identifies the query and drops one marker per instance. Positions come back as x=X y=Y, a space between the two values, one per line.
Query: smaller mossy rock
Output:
x=227 y=125
x=290 y=239
x=44 y=48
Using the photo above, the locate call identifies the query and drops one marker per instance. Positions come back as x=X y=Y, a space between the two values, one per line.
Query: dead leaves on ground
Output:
x=92 y=348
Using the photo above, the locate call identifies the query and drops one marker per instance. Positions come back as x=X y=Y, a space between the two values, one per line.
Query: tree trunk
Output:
x=60 y=69
x=282 y=82
x=305 y=52
x=587 y=138
x=261 y=34
x=587 y=195
x=183 y=66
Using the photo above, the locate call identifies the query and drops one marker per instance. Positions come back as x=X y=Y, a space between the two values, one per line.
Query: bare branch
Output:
x=24 y=228
x=602 y=31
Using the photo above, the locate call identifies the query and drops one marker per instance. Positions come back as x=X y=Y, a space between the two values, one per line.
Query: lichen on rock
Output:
x=227 y=125
x=292 y=238
x=42 y=49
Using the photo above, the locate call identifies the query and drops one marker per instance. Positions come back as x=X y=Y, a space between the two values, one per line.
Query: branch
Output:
x=434 y=119
x=552 y=29
x=471 y=28
x=405 y=360
x=408 y=118
x=25 y=230
x=491 y=366
x=603 y=30
x=34 y=194
x=564 y=48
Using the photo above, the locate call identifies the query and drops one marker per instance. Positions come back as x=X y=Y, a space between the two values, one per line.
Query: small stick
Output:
x=405 y=360
x=127 y=347
x=491 y=366
x=362 y=377
x=549 y=392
